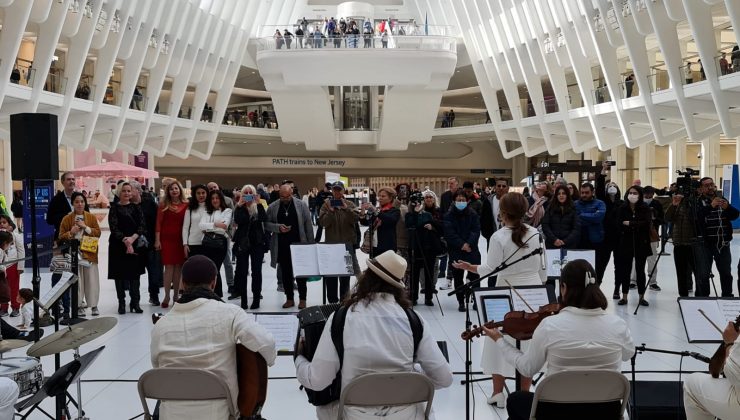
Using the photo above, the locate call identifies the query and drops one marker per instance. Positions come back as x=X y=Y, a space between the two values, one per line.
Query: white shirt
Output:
x=377 y=338
x=26 y=315
x=495 y=203
x=192 y=234
x=574 y=339
x=207 y=221
x=17 y=249
x=528 y=272
x=203 y=334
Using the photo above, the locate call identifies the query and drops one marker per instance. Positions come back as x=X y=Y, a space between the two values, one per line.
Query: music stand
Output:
x=57 y=385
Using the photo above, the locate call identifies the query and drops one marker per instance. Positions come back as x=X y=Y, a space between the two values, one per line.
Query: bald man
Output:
x=290 y=221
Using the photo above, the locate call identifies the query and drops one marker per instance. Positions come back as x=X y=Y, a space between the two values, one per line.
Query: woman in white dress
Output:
x=513 y=241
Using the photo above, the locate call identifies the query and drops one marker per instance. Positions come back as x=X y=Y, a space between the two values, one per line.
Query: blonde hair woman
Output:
x=249 y=244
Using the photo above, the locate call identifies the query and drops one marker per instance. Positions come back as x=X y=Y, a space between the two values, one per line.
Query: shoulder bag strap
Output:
x=417 y=328
x=337 y=333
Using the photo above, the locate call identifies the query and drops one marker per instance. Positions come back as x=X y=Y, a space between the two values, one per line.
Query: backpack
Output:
x=333 y=391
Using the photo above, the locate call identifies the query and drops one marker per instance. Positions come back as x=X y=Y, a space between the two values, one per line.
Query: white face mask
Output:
x=612 y=190
x=633 y=198
x=647 y=200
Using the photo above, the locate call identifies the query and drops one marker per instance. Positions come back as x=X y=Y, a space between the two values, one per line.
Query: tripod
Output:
x=467 y=289
x=655 y=266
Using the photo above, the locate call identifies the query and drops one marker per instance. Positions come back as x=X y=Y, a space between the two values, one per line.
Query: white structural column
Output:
x=737 y=150
x=644 y=159
x=676 y=157
x=709 y=156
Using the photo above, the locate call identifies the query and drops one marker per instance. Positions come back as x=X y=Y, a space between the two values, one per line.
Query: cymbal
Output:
x=72 y=337
x=8 y=345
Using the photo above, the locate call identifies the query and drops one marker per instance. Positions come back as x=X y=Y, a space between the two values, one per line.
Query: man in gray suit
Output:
x=290 y=221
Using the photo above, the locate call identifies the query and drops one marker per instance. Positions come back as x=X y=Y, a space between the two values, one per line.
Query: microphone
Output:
x=700 y=357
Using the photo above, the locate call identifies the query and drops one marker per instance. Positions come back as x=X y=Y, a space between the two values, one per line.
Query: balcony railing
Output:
x=321 y=42
x=461 y=121
x=397 y=29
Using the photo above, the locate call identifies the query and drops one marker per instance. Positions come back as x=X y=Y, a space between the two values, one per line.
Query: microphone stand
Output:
x=641 y=349
x=466 y=289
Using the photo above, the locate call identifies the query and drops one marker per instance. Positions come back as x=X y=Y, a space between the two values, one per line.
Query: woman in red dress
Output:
x=170 y=217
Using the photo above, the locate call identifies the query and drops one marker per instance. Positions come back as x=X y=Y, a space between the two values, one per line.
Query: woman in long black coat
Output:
x=127 y=225
x=249 y=245
x=561 y=224
x=633 y=219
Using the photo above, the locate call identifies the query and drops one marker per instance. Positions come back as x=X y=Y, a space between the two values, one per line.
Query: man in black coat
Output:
x=321 y=197
x=60 y=206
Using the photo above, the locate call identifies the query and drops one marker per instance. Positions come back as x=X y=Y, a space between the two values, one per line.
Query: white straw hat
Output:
x=389 y=266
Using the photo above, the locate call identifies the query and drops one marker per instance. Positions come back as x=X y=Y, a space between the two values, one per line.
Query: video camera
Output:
x=415 y=198
x=686 y=185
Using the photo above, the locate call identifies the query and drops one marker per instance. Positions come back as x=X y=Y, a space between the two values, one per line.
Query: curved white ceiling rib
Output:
x=521 y=42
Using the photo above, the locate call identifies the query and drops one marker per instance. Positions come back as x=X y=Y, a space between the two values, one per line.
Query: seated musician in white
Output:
x=706 y=397
x=582 y=336
x=377 y=338
x=8 y=397
x=202 y=332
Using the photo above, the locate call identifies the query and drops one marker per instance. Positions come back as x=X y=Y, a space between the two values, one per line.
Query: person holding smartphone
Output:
x=338 y=217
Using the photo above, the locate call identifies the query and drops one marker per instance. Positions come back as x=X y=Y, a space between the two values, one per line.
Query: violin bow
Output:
x=701 y=311
x=519 y=296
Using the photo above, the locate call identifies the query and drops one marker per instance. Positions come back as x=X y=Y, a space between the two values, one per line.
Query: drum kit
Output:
x=28 y=373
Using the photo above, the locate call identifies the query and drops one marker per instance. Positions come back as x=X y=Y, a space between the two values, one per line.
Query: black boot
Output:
x=134 y=307
x=121 y=307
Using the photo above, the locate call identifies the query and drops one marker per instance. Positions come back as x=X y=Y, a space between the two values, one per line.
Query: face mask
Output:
x=611 y=190
x=460 y=205
x=647 y=200
x=633 y=198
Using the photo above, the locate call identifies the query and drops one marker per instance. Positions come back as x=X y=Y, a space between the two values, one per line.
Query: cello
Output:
x=251 y=370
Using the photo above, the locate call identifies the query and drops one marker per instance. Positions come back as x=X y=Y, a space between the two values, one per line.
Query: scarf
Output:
x=198 y=292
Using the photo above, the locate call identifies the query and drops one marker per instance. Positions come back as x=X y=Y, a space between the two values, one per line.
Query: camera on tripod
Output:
x=686 y=185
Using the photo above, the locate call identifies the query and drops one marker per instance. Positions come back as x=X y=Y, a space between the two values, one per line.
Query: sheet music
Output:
x=697 y=327
x=56 y=292
x=305 y=260
x=283 y=327
x=535 y=297
x=553 y=263
x=495 y=309
x=331 y=259
x=730 y=308
x=588 y=255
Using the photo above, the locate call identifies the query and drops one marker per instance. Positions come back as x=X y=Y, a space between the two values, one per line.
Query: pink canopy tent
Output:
x=114 y=169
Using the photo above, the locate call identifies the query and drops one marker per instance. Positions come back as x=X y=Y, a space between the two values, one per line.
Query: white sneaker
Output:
x=95 y=311
x=442 y=284
x=497 y=400
x=81 y=312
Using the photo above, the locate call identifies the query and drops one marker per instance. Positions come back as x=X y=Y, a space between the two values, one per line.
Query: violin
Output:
x=717 y=362
x=520 y=325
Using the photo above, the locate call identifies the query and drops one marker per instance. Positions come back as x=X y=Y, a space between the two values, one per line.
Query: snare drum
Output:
x=25 y=371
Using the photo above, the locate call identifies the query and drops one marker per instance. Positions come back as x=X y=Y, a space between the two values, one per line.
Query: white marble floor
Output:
x=109 y=392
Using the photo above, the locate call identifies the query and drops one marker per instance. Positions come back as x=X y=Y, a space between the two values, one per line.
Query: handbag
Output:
x=89 y=244
x=213 y=240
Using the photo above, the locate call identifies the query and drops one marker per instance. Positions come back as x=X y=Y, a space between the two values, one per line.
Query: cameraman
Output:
x=338 y=217
x=715 y=216
x=688 y=254
x=425 y=225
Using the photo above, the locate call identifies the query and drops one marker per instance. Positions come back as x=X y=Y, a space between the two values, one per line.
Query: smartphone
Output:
x=248 y=197
x=612 y=162
x=79 y=218
x=336 y=203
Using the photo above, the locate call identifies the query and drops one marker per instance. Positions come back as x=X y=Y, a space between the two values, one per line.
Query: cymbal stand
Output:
x=80 y=412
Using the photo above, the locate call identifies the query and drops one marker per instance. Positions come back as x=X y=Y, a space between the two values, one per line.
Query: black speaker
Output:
x=659 y=400
x=34 y=146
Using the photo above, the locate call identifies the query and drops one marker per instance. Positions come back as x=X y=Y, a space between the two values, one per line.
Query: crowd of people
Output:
x=343 y=33
x=416 y=243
